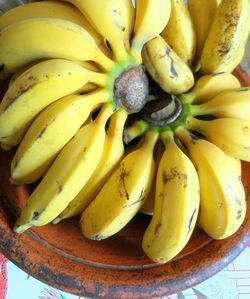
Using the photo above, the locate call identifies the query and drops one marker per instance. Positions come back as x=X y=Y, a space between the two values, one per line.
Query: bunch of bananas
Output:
x=78 y=93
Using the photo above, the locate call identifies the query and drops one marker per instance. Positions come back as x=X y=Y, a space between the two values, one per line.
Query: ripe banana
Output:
x=166 y=68
x=38 y=148
x=223 y=206
x=151 y=18
x=111 y=156
x=202 y=13
x=227 y=38
x=68 y=174
x=123 y=194
x=208 y=86
x=60 y=39
x=179 y=33
x=230 y=134
x=35 y=89
x=148 y=206
x=177 y=202
x=113 y=19
x=234 y=103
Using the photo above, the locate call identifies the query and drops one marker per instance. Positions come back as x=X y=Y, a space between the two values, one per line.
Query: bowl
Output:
x=116 y=267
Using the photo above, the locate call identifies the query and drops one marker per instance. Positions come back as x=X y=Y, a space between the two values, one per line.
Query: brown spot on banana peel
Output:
x=140 y=199
x=159 y=224
x=182 y=177
x=123 y=175
x=239 y=214
x=36 y=215
x=43 y=130
x=60 y=187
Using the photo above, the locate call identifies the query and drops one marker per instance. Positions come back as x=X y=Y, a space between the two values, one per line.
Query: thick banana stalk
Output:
x=113 y=19
x=60 y=39
x=111 y=156
x=65 y=178
x=123 y=194
x=209 y=86
x=166 y=67
x=223 y=206
x=35 y=89
x=177 y=200
x=233 y=104
x=230 y=134
x=227 y=38
x=180 y=33
x=202 y=13
x=151 y=18
x=38 y=148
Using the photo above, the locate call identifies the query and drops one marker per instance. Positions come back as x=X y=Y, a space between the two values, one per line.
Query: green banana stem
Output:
x=106 y=63
x=137 y=129
x=199 y=109
x=196 y=124
x=167 y=137
x=187 y=98
x=183 y=135
x=106 y=111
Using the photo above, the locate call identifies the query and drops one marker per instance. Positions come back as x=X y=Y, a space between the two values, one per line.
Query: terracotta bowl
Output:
x=117 y=267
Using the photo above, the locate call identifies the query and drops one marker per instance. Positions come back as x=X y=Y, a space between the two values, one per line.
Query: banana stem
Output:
x=106 y=63
x=106 y=111
x=198 y=110
x=150 y=139
x=183 y=135
x=187 y=98
x=117 y=122
x=135 y=130
x=167 y=137
x=135 y=52
x=100 y=79
x=196 y=124
x=120 y=53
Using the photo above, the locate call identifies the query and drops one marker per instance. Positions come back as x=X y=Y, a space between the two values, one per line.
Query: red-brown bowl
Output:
x=117 y=267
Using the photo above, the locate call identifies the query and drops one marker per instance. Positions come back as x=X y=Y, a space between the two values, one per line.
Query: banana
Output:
x=111 y=156
x=208 y=86
x=202 y=13
x=123 y=194
x=223 y=205
x=113 y=19
x=227 y=38
x=166 y=67
x=35 y=89
x=60 y=39
x=67 y=175
x=177 y=200
x=230 y=134
x=232 y=104
x=151 y=18
x=148 y=206
x=38 y=148
x=179 y=33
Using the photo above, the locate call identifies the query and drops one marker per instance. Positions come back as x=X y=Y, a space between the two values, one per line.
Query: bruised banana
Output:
x=166 y=67
x=223 y=205
x=177 y=200
x=227 y=38
x=232 y=135
x=35 y=89
x=151 y=18
x=208 y=86
x=234 y=103
x=123 y=194
x=113 y=19
x=61 y=39
x=202 y=13
x=67 y=175
x=38 y=148
x=179 y=33
x=112 y=154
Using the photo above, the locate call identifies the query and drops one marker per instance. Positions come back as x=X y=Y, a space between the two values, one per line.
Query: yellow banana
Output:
x=227 y=38
x=177 y=202
x=151 y=18
x=230 y=134
x=208 y=86
x=111 y=156
x=113 y=19
x=167 y=68
x=123 y=194
x=38 y=148
x=202 y=13
x=148 y=206
x=223 y=206
x=35 y=89
x=67 y=175
x=180 y=33
x=59 y=39
x=233 y=104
